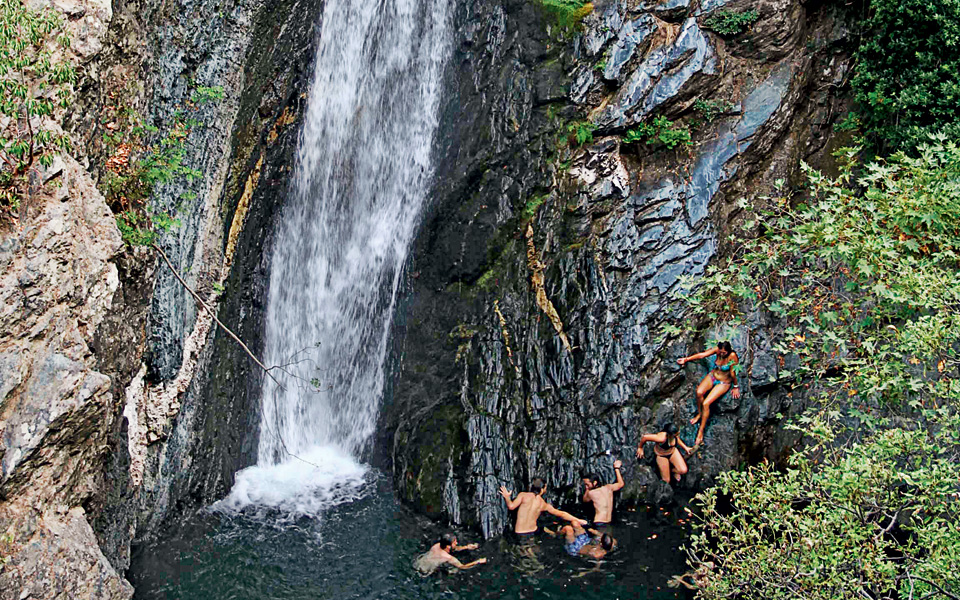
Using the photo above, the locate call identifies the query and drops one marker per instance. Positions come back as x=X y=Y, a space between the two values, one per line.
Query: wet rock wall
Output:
x=534 y=335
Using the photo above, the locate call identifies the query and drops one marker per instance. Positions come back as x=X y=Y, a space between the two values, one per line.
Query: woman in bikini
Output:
x=665 y=447
x=720 y=379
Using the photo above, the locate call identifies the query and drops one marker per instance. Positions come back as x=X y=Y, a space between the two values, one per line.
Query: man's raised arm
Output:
x=619 y=483
x=511 y=504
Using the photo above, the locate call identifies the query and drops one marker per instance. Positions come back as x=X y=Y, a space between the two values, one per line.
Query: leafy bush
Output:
x=873 y=519
x=708 y=110
x=137 y=166
x=34 y=80
x=568 y=13
x=907 y=74
x=864 y=275
x=582 y=131
x=728 y=23
x=661 y=130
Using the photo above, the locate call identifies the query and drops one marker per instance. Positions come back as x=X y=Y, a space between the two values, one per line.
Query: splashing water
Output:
x=363 y=169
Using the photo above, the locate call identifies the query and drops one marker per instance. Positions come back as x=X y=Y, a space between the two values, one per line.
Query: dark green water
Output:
x=366 y=548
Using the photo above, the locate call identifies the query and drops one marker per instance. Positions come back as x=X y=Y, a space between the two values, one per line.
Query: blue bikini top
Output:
x=714 y=365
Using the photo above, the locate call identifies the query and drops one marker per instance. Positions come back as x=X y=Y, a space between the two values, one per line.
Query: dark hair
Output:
x=592 y=478
x=606 y=542
x=725 y=346
x=536 y=486
x=447 y=540
x=670 y=429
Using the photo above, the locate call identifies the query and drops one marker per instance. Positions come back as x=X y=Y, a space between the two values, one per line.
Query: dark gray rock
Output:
x=549 y=380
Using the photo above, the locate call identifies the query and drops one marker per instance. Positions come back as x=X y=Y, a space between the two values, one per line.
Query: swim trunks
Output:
x=573 y=548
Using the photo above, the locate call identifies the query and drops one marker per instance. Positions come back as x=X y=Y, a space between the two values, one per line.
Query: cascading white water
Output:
x=361 y=178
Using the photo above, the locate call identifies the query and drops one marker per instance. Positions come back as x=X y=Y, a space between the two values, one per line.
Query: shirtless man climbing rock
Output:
x=602 y=495
x=530 y=505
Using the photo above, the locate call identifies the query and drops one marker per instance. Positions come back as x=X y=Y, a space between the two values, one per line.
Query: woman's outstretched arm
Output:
x=697 y=356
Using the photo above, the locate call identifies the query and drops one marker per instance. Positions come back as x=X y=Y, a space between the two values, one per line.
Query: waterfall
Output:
x=361 y=177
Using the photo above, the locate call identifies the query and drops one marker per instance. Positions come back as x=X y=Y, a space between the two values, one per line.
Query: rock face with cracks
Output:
x=534 y=339
x=121 y=405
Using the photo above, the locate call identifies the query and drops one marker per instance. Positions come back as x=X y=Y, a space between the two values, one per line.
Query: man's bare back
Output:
x=529 y=507
x=602 y=495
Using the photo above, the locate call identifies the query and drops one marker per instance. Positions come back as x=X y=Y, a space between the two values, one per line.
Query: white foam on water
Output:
x=321 y=478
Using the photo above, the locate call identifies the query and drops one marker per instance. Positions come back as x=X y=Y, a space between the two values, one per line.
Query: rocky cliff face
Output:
x=121 y=405
x=535 y=334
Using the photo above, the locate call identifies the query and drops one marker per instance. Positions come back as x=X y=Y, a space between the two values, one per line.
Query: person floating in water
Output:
x=665 y=447
x=440 y=554
x=529 y=506
x=715 y=384
x=602 y=495
x=586 y=542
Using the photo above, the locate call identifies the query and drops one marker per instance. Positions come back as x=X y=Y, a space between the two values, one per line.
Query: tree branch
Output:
x=214 y=316
x=937 y=587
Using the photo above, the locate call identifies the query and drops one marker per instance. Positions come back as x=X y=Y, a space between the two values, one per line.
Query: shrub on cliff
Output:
x=34 y=79
x=907 y=76
x=567 y=13
x=865 y=275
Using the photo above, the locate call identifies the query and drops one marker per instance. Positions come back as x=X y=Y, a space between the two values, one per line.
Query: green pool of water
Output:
x=366 y=548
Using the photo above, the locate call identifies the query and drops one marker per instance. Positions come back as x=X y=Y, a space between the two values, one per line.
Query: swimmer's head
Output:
x=607 y=542
x=591 y=480
x=537 y=486
x=724 y=349
x=447 y=540
x=670 y=429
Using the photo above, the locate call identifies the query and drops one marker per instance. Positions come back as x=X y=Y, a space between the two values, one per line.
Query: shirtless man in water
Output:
x=439 y=554
x=530 y=505
x=602 y=495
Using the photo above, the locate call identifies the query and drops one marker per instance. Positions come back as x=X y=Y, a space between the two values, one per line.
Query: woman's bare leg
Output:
x=718 y=390
x=663 y=463
x=705 y=384
x=679 y=465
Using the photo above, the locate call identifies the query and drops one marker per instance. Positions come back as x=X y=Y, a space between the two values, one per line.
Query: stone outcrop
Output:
x=58 y=284
x=495 y=389
x=121 y=405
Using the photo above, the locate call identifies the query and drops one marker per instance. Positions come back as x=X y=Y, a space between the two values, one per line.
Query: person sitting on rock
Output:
x=720 y=379
x=529 y=506
x=602 y=495
x=665 y=447
x=440 y=554
x=586 y=542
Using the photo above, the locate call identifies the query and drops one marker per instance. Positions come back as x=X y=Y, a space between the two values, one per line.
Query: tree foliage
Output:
x=873 y=519
x=865 y=274
x=35 y=78
x=141 y=159
x=907 y=75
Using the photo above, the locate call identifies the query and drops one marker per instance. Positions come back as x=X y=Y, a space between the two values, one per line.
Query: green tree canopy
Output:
x=907 y=76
